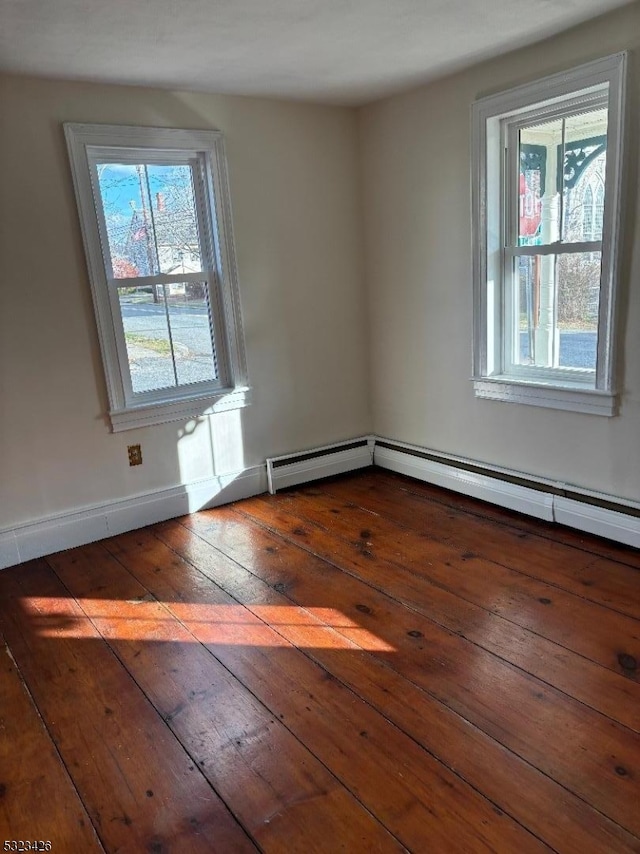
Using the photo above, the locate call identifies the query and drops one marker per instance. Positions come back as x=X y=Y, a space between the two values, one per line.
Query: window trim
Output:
x=161 y=406
x=488 y=179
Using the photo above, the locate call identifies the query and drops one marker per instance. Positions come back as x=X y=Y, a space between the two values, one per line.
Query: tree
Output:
x=579 y=281
x=124 y=269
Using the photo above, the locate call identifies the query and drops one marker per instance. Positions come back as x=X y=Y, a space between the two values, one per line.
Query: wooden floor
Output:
x=366 y=664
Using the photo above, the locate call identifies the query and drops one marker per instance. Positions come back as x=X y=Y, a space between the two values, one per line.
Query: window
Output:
x=155 y=215
x=546 y=196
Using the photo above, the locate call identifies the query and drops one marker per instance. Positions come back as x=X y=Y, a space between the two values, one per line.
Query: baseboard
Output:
x=9 y=554
x=595 y=513
x=77 y=528
x=326 y=461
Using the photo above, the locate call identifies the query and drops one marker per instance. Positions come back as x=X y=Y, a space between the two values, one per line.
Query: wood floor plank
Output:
x=286 y=799
x=37 y=799
x=563 y=821
x=593 y=631
x=406 y=564
x=425 y=805
x=139 y=786
x=591 y=755
x=571 y=568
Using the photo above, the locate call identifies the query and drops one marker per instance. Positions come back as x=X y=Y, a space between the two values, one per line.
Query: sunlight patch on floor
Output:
x=147 y=620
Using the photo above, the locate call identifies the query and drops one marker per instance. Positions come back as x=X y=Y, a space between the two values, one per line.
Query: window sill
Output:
x=178 y=410
x=573 y=399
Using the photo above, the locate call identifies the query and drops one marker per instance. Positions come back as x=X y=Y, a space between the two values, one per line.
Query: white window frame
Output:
x=494 y=121
x=88 y=144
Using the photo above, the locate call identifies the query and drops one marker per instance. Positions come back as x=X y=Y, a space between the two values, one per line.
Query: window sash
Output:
x=140 y=397
x=510 y=343
x=160 y=279
x=510 y=176
x=197 y=163
x=556 y=248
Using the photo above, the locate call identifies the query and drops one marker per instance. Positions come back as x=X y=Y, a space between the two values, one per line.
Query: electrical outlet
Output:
x=135 y=455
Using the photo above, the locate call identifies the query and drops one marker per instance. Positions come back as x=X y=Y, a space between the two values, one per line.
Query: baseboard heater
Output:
x=596 y=513
x=305 y=466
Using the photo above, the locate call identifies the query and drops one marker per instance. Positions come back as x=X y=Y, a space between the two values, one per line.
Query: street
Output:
x=577 y=349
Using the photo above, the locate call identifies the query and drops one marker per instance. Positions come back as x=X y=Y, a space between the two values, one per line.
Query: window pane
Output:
x=526 y=283
x=126 y=206
x=168 y=335
x=578 y=304
x=583 y=175
x=190 y=321
x=175 y=220
x=555 y=301
x=151 y=220
x=567 y=155
x=146 y=333
x=538 y=196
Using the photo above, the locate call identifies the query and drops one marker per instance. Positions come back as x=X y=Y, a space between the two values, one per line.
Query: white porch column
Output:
x=546 y=335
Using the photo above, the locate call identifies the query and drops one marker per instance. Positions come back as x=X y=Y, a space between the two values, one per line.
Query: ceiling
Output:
x=334 y=51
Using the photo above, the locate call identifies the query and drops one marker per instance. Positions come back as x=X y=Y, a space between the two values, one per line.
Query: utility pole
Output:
x=145 y=216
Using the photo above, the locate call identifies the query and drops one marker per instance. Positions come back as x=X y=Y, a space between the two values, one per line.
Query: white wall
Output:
x=416 y=179
x=295 y=194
